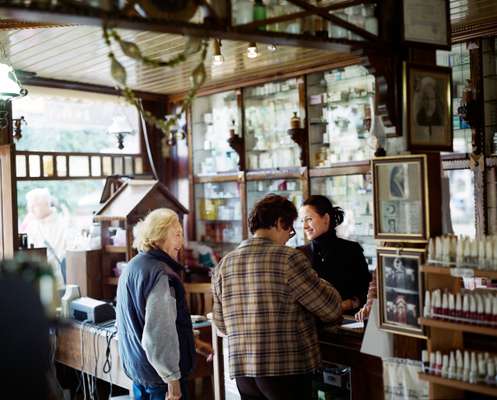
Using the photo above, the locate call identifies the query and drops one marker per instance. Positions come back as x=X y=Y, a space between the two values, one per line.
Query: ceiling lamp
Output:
x=252 y=51
x=272 y=47
x=218 y=58
x=10 y=88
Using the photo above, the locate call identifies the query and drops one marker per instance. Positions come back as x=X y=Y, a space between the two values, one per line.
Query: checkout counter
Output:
x=348 y=374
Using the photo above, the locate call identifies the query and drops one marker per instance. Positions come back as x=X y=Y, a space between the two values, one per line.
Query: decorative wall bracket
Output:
x=236 y=143
x=299 y=136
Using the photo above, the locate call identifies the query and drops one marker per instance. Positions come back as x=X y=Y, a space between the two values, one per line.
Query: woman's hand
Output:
x=363 y=313
x=173 y=390
x=204 y=349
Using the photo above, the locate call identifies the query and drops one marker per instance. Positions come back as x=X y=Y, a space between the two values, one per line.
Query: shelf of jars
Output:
x=339 y=116
x=354 y=194
x=292 y=189
x=219 y=215
x=268 y=111
x=214 y=118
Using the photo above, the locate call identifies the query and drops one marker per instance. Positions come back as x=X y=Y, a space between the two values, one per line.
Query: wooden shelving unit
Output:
x=457 y=326
x=115 y=249
x=446 y=336
x=463 y=386
x=441 y=270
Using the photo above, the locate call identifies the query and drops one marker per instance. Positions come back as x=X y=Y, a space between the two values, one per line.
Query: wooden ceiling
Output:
x=79 y=54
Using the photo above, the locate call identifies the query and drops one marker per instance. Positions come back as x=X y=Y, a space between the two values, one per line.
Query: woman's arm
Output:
x=160 y=337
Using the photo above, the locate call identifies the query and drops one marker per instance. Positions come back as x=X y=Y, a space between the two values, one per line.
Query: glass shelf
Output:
x=354 y=194
x=289 y=188
x=212 y=119
x=339 y=115
x=268 y=110
x=219 y=214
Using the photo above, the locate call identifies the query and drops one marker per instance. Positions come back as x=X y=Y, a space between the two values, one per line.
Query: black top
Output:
x=342 y=263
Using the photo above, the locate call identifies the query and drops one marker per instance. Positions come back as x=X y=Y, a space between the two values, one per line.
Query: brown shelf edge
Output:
x=433 y=269
x=482 y=330
x=111 y=280
x=454 y=384
x=115 y=249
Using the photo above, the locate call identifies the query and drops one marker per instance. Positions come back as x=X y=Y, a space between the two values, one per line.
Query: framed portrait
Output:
x=400 y=198
x=428 y=107
x=400 y=290
x=427 y=23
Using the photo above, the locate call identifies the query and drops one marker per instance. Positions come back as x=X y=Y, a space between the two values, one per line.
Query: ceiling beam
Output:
x=210 y=29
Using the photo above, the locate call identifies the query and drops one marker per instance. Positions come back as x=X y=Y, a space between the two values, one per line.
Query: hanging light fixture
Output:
x=121 y=128
x=252 y=51
x=217 y=58
x=10 y=87
x=272 y=47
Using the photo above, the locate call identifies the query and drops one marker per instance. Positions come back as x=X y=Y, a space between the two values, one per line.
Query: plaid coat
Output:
x=265 y=299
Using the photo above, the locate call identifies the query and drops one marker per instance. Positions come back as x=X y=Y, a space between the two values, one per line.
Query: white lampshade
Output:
x=9 y=85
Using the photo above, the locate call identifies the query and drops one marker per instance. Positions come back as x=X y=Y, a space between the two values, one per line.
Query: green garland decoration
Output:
x=118 y=72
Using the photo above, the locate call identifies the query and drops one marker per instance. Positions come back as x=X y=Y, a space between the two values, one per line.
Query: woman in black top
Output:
x=341 y=262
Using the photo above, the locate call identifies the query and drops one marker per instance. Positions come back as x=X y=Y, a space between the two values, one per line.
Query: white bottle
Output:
x=71 y=293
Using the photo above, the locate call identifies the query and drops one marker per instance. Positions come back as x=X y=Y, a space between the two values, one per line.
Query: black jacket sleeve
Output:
x=361 y=274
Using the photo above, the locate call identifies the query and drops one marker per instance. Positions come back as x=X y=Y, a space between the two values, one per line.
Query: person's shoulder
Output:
x=349 y=244
x=306 y=250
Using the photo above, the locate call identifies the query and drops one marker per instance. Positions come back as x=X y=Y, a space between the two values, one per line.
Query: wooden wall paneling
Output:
x=192 y=216
x=8 y=201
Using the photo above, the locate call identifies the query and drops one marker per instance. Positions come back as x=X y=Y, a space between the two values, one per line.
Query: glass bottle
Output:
x=243 y=12
x=259 y=13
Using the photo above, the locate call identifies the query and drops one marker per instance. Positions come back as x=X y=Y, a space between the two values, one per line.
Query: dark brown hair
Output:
x=269 y=210
x=322 y=205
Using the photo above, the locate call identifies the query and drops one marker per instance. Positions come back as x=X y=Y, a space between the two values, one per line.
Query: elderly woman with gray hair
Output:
x=156 y=341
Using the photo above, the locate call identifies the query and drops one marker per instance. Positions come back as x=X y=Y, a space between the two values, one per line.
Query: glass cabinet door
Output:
x=339 y=115
x=268 y=110
x=462 y=201
x=219 y=215
x=354 y=194
x=458 y=60
x=289 y=188
x=212 y=118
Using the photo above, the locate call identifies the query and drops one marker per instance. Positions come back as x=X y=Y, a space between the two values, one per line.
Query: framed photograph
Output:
x=400 y=198
x=428 y=107
x=427 y=22
x=400 y=290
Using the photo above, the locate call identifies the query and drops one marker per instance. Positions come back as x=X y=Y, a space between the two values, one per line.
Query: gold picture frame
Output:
x=400 y=189
x=400 y=290
x=428 y=107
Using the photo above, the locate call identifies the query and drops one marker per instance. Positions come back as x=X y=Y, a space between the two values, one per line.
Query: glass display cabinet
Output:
x=339 y=115
x=462 y=203
x=212 y=119
x=292 y=189
x=354 y=194
x=268 y=111
x=458 y=59
x=219 y=215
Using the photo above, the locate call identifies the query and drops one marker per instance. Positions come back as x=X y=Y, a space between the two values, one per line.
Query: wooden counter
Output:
x=341 y=346
x=74 y=336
